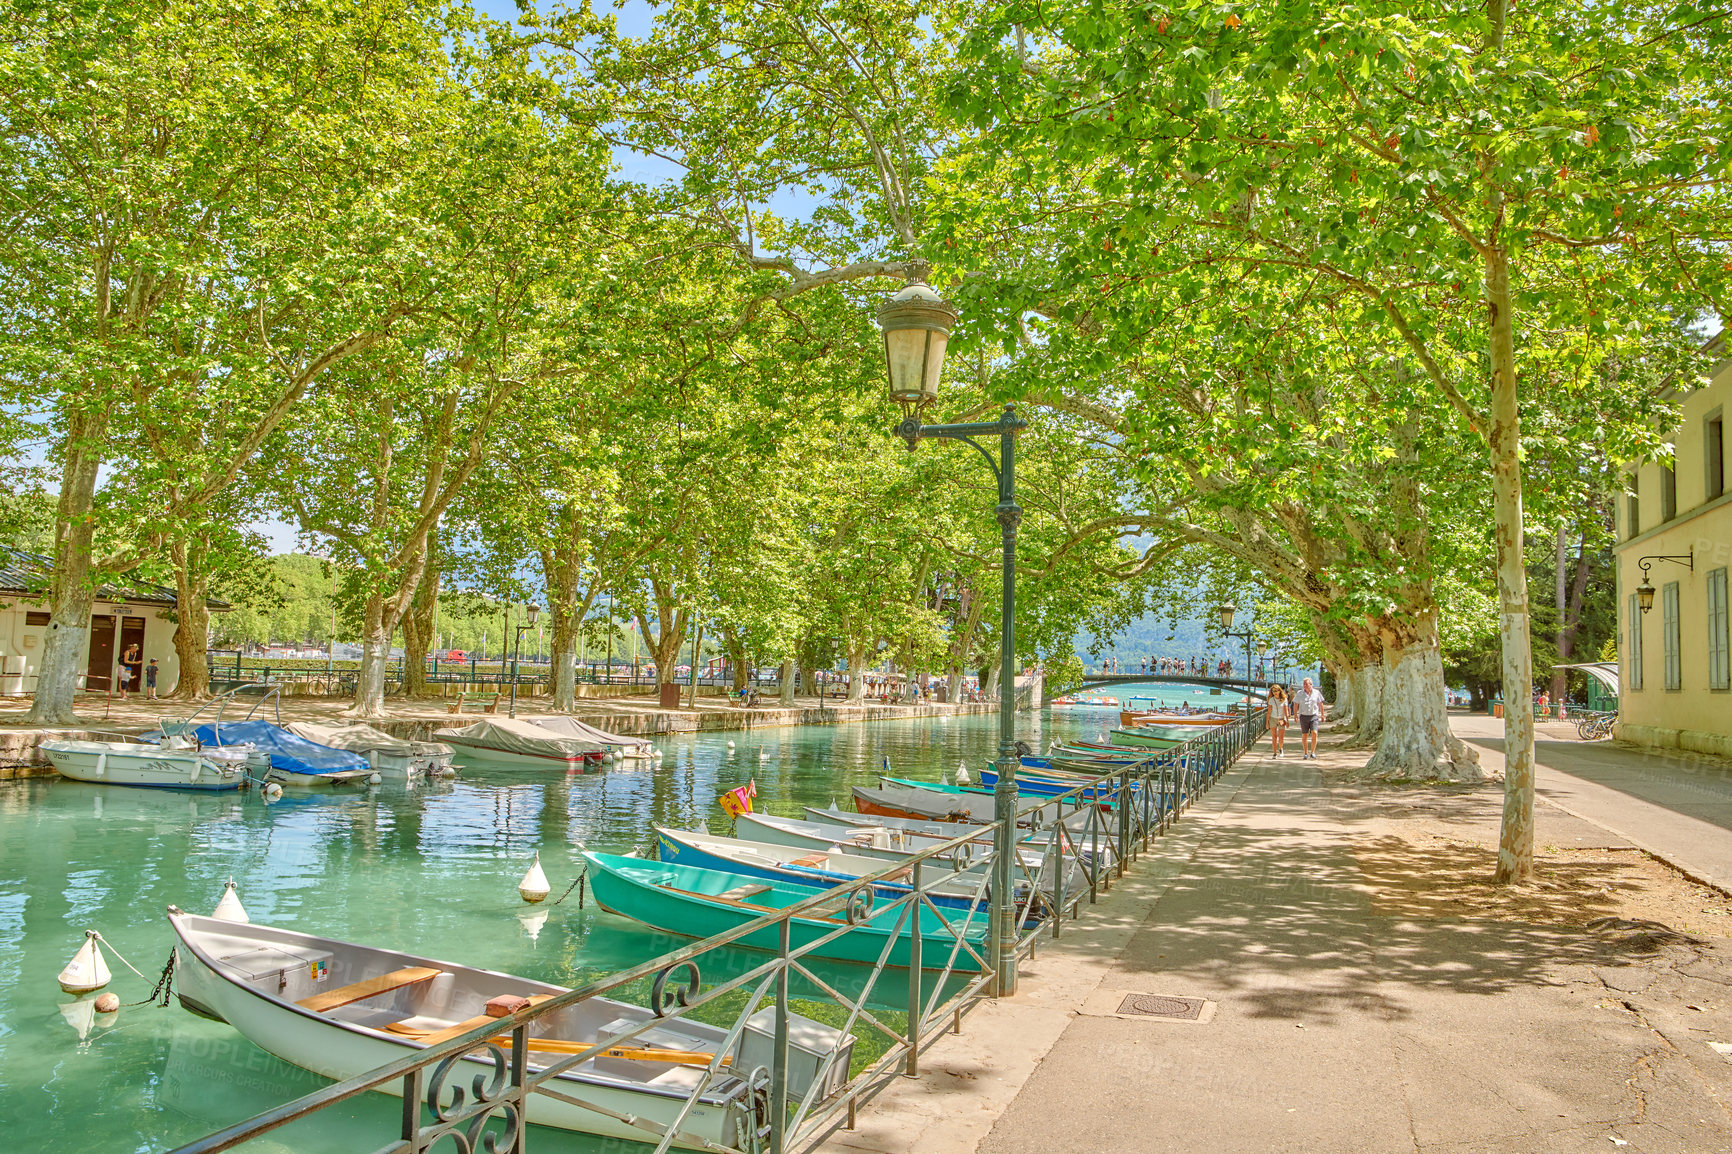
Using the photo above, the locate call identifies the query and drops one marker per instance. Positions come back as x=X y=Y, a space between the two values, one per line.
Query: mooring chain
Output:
x=164 y=984
x=574 y=886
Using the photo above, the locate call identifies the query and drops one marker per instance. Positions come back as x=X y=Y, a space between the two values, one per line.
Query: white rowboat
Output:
x=340 y=1009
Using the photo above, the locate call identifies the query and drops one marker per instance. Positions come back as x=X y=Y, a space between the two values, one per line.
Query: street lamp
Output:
x=1226 y=612
x=517 y=652
x=916 y=324
x=1645 y=591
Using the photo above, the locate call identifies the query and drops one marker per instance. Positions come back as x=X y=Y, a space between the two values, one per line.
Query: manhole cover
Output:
x=1157 y=1006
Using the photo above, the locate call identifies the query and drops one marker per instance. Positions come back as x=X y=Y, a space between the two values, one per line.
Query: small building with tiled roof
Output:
x=125 y=615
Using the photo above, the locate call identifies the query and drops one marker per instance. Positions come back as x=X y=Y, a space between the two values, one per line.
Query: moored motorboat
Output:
x=139 y=763
x=274 y=754
x=341 y=1009
x=392 y=757
x=524 y=743
x=618 y=743
x=699 y=903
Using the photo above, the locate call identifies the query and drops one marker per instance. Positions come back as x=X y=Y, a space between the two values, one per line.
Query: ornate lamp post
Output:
x=517 y=652
x=916 y=324
x=1226 y=612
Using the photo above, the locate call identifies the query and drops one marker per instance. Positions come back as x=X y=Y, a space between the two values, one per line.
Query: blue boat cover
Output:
x=288 y=753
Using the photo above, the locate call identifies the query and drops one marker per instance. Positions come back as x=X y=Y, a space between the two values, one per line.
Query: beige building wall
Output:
x=1695 y=527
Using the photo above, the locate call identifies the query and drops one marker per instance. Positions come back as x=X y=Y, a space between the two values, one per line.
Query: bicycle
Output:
x=1596 y=726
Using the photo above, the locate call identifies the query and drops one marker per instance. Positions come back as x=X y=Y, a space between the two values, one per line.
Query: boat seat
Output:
x=434 y=1037
x=812 y=861
x=741 y=893
x=368 y=987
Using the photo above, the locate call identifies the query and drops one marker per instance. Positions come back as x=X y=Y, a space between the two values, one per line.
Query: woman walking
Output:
x=1278 y=713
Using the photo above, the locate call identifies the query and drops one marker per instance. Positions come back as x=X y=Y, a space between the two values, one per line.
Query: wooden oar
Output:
x=629 y=1053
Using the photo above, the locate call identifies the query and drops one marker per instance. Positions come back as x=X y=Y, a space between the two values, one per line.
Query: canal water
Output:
x=430 y=869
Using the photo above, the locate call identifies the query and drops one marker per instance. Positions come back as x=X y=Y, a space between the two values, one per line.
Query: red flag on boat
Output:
x=738 y=801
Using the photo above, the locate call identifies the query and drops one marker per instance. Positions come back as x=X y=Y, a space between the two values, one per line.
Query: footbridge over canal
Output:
x=1236 y=686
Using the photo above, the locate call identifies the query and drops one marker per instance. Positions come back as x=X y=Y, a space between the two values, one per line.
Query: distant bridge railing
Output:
x=1257 y=687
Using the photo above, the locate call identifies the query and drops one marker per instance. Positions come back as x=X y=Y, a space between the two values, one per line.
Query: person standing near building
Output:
x=150 y=680
x=1308 y=704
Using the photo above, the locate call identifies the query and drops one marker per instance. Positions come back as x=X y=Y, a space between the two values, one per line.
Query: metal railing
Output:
x=1077 y=844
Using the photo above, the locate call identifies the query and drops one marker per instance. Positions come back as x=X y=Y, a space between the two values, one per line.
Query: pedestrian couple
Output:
x=1307 y=706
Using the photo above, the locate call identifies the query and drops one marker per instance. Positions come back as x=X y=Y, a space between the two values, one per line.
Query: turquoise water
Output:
x=431 y=869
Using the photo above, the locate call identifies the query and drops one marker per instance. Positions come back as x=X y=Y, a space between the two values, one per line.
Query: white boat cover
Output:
x=364 y=738
x=519 y=736
x=572 y=727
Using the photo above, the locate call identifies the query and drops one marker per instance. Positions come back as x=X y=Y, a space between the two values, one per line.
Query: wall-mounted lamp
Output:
x=1645 y=591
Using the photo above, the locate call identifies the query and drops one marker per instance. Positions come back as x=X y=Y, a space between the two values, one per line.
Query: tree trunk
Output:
x=191 y=621
x=1367 y=705
x=989 y=683
x=961 y=644
x=1343 y=707
x=785 y=698
x=1570 y=618
x=66 y=649
x=1415 y=741
x=418 y=626
x=1515 y=853
x=563 y=655
x=375 y=652
x=736 y=651
x=856 y=674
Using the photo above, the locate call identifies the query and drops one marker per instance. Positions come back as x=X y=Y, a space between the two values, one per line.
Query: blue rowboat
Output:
x=1030 y=786
x=698 y=903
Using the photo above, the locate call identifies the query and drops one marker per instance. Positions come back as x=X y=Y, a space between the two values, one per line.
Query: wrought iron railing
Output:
x=485 y=1083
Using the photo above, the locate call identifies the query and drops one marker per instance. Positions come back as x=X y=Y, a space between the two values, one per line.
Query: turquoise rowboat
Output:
x=1161 y=737
x=697 y=903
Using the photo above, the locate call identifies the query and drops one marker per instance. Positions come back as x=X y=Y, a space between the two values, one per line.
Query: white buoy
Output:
x=374 y=779
x=532 y=923
x=107 y=1003
x=229 y=909
x=86 y=972
x=962 y=773
x=534 y=887
x=730 y=745
x=272 y=791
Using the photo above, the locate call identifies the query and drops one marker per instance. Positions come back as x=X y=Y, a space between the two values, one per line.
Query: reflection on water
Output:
x=429 y=868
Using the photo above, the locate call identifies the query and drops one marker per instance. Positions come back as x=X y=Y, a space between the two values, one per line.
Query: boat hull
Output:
x=579 y=762
x=100 y=763
x=337 y=1051
x=682 y=904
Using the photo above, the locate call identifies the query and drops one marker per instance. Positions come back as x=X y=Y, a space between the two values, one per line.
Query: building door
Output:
x=99 y=673
x=131 y=634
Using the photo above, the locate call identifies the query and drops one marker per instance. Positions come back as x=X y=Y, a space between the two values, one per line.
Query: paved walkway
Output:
x=1341 y=1021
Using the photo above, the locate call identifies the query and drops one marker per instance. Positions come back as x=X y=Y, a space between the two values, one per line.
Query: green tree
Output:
x=1476 y=178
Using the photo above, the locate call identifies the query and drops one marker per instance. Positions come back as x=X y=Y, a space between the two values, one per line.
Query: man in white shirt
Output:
x=1308 y=705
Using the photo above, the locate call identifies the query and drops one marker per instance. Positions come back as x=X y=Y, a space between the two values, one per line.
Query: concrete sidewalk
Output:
x=1346 y=1010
